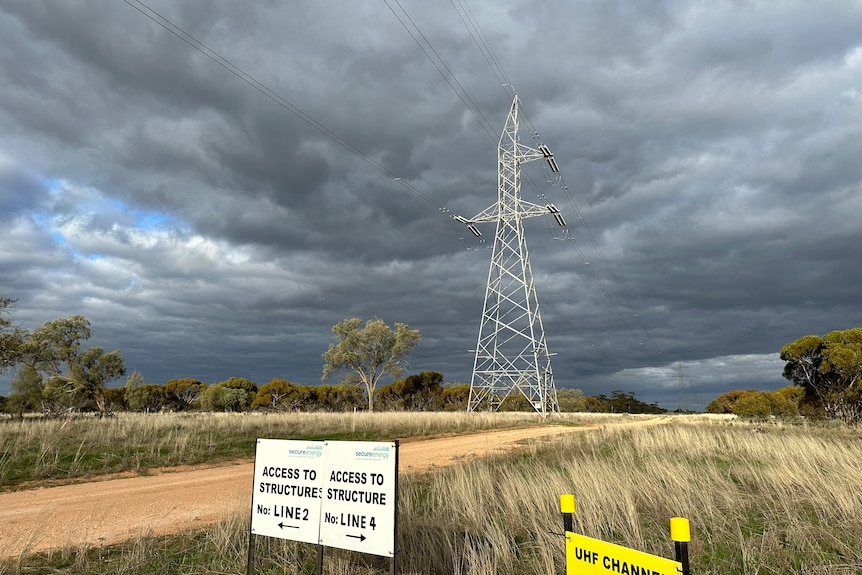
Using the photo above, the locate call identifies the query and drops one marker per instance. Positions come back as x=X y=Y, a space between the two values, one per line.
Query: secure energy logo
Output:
x=311 y=451
x=379 y=452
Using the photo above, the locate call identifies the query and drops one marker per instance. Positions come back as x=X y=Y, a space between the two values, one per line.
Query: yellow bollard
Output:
x=680 y=532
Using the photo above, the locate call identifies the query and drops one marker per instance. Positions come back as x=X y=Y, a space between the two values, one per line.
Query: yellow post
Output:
x=680 y=532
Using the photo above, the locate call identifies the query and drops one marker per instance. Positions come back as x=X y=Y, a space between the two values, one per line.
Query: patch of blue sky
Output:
x=146 y=220
x=52 y=184
x=45 y=220
x=96 y=201
x=149 y=220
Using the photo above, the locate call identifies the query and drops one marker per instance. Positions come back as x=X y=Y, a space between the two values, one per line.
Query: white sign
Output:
x=358 y=496
x=287 y=492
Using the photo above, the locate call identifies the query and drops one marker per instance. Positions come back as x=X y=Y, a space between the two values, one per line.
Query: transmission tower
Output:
x=511 y=354
x=681 y=387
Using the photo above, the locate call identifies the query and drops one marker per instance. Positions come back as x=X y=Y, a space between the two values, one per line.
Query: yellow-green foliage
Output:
x=571 y=400
x=830 y=371
x=784 y=402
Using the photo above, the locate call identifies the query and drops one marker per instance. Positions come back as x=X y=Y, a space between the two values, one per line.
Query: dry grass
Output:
x=761 y=500
x=786 y=500
x=39 y=450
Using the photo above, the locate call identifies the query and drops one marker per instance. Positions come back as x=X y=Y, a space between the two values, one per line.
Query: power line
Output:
x=448 y=76
x=279 y=100
x=483 y=44
x=472 y=25
x=470 y=22
x=475 y=31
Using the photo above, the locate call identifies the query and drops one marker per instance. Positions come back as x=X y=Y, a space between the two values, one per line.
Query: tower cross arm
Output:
x=529 y=210
x=521 y=154
x=489 y=214
x=492 y=213
x=527 y=154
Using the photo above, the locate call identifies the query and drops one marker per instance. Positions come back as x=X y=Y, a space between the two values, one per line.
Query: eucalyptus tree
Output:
x=829 y=368
x=75 y=377
x=367 y=353
x=11 y=336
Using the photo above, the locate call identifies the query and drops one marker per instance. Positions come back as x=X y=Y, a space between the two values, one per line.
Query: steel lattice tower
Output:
x=511 y=354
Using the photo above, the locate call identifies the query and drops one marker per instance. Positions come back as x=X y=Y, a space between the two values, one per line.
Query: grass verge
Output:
x=36 y=452
x=783 y=500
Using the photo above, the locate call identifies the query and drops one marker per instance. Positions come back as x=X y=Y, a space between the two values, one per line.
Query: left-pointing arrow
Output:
x=283 y=525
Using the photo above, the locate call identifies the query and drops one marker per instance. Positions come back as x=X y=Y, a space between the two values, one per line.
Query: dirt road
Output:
x=173 y=500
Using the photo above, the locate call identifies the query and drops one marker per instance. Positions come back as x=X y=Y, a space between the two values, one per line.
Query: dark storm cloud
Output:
x=710 y=149
x=20 y=192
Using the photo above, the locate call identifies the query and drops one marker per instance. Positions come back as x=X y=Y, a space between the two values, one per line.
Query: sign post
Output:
x=567 y=508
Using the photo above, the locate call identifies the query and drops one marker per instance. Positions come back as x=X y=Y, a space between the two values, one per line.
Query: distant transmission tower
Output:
x=511 y=354
x=682 y=406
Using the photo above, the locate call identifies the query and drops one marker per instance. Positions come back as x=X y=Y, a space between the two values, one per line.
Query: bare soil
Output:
x=171 y=500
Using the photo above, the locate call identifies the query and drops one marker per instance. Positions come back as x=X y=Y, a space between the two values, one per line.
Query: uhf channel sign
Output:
x=334 y=493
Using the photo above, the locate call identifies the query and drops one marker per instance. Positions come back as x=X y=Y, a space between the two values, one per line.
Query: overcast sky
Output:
x=711 y=152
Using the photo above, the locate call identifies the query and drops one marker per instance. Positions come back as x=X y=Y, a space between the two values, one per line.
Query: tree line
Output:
x=425 y=391
x=826 y=377
x=54 y=375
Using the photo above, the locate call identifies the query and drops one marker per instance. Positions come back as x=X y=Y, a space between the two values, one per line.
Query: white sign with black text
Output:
x=358 y=498
x=287 y=489
x=333 y=493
